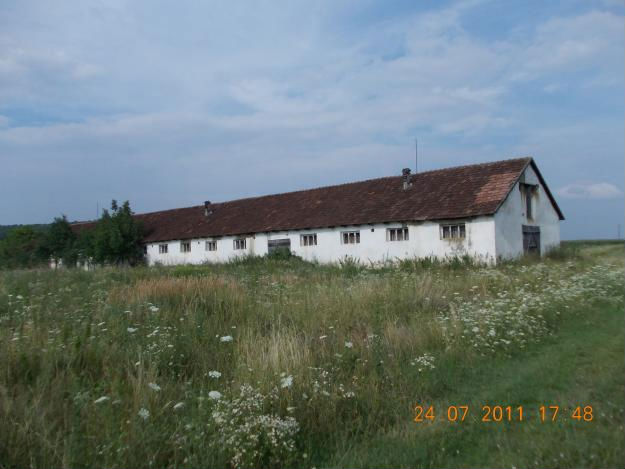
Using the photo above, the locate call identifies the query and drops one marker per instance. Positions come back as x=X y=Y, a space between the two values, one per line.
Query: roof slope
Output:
x=459 y=192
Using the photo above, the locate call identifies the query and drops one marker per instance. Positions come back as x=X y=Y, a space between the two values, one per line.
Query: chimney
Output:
x=208 y=208
x=406 y=174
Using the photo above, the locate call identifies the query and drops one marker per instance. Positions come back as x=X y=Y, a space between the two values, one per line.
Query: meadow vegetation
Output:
x=283 y=363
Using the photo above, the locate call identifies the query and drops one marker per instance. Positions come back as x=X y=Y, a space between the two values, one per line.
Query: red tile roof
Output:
x=459 y=192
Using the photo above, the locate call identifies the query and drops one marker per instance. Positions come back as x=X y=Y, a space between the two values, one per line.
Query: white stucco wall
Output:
x=424 y=241
x=199 y=254
x=511 y=216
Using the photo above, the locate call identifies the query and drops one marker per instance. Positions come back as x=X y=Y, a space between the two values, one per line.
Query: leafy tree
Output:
x=61 y=242
x=85 y=245
x=101 y=235
x=4 y=229
x=23 y=247
x=114 y=239
x=117 y=237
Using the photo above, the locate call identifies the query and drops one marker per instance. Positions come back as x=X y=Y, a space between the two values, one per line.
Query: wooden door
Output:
x=531 y=239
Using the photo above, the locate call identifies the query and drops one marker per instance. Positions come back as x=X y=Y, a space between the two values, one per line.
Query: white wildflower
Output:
x=154 y=309
x=102 y=399
x=349 y=344
x=321 y=337
x=425 y=361
x=218 y=417
x=154 y=387
x=179 y=405
x=215 y=395
x=214 y=374
x=132 y=329
x=143 y=413
x=286 y=382
x=226 y=338
x=249 y=432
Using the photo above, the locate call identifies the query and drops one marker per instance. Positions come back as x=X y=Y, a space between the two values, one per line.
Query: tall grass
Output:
x=261 y=362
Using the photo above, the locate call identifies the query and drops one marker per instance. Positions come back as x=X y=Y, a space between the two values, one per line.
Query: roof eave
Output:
x=547 y=191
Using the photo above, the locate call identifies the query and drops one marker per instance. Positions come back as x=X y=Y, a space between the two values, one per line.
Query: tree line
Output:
x=114 y=239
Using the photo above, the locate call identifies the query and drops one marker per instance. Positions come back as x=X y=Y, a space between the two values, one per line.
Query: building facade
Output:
x=489 y=211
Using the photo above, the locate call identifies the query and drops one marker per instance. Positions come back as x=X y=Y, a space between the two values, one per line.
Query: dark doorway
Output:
x=531 y=239
x=282 y=246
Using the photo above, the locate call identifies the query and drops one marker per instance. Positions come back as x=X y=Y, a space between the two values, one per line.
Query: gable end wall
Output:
x=511 y=216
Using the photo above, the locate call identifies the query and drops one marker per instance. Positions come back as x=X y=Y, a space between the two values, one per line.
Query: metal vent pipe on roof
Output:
x=407 y=179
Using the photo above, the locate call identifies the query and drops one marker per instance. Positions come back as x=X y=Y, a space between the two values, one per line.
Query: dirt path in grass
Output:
x=583 y=365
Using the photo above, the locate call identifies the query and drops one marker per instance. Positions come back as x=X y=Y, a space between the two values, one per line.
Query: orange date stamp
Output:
x=502 y=413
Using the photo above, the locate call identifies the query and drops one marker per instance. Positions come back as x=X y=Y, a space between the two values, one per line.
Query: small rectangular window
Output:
x=239 y=243
x=446 y=232
x=350 y=237
x=308 y=239
x=528 y=191
x=162 y=248
x=211 y=245
x=456 y=231
x=185 y=246
x=397 y=234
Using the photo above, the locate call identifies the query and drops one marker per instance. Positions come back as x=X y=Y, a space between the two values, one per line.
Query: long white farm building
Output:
x=489 y=211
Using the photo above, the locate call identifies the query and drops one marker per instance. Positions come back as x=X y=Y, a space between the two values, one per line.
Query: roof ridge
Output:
x=168 y=210
x=528 y=158
x=472 y=165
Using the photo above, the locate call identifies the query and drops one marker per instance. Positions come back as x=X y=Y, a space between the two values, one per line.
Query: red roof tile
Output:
x=459 y=192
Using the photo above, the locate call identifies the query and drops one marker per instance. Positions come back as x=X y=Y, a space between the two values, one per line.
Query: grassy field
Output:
x=280 y=363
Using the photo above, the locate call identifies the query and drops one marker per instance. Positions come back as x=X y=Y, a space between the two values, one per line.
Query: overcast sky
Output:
x=168 y=104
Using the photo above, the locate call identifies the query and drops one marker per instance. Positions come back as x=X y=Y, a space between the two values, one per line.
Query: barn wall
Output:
x=199 y=254
x=479 y=242
x=511 y=216
x=424 y=241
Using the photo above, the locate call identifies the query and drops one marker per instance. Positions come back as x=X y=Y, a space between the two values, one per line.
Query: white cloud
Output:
x=185 y=98
x=590 y=190
x=565 y=44
x=552 y=88
x=290 y=73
